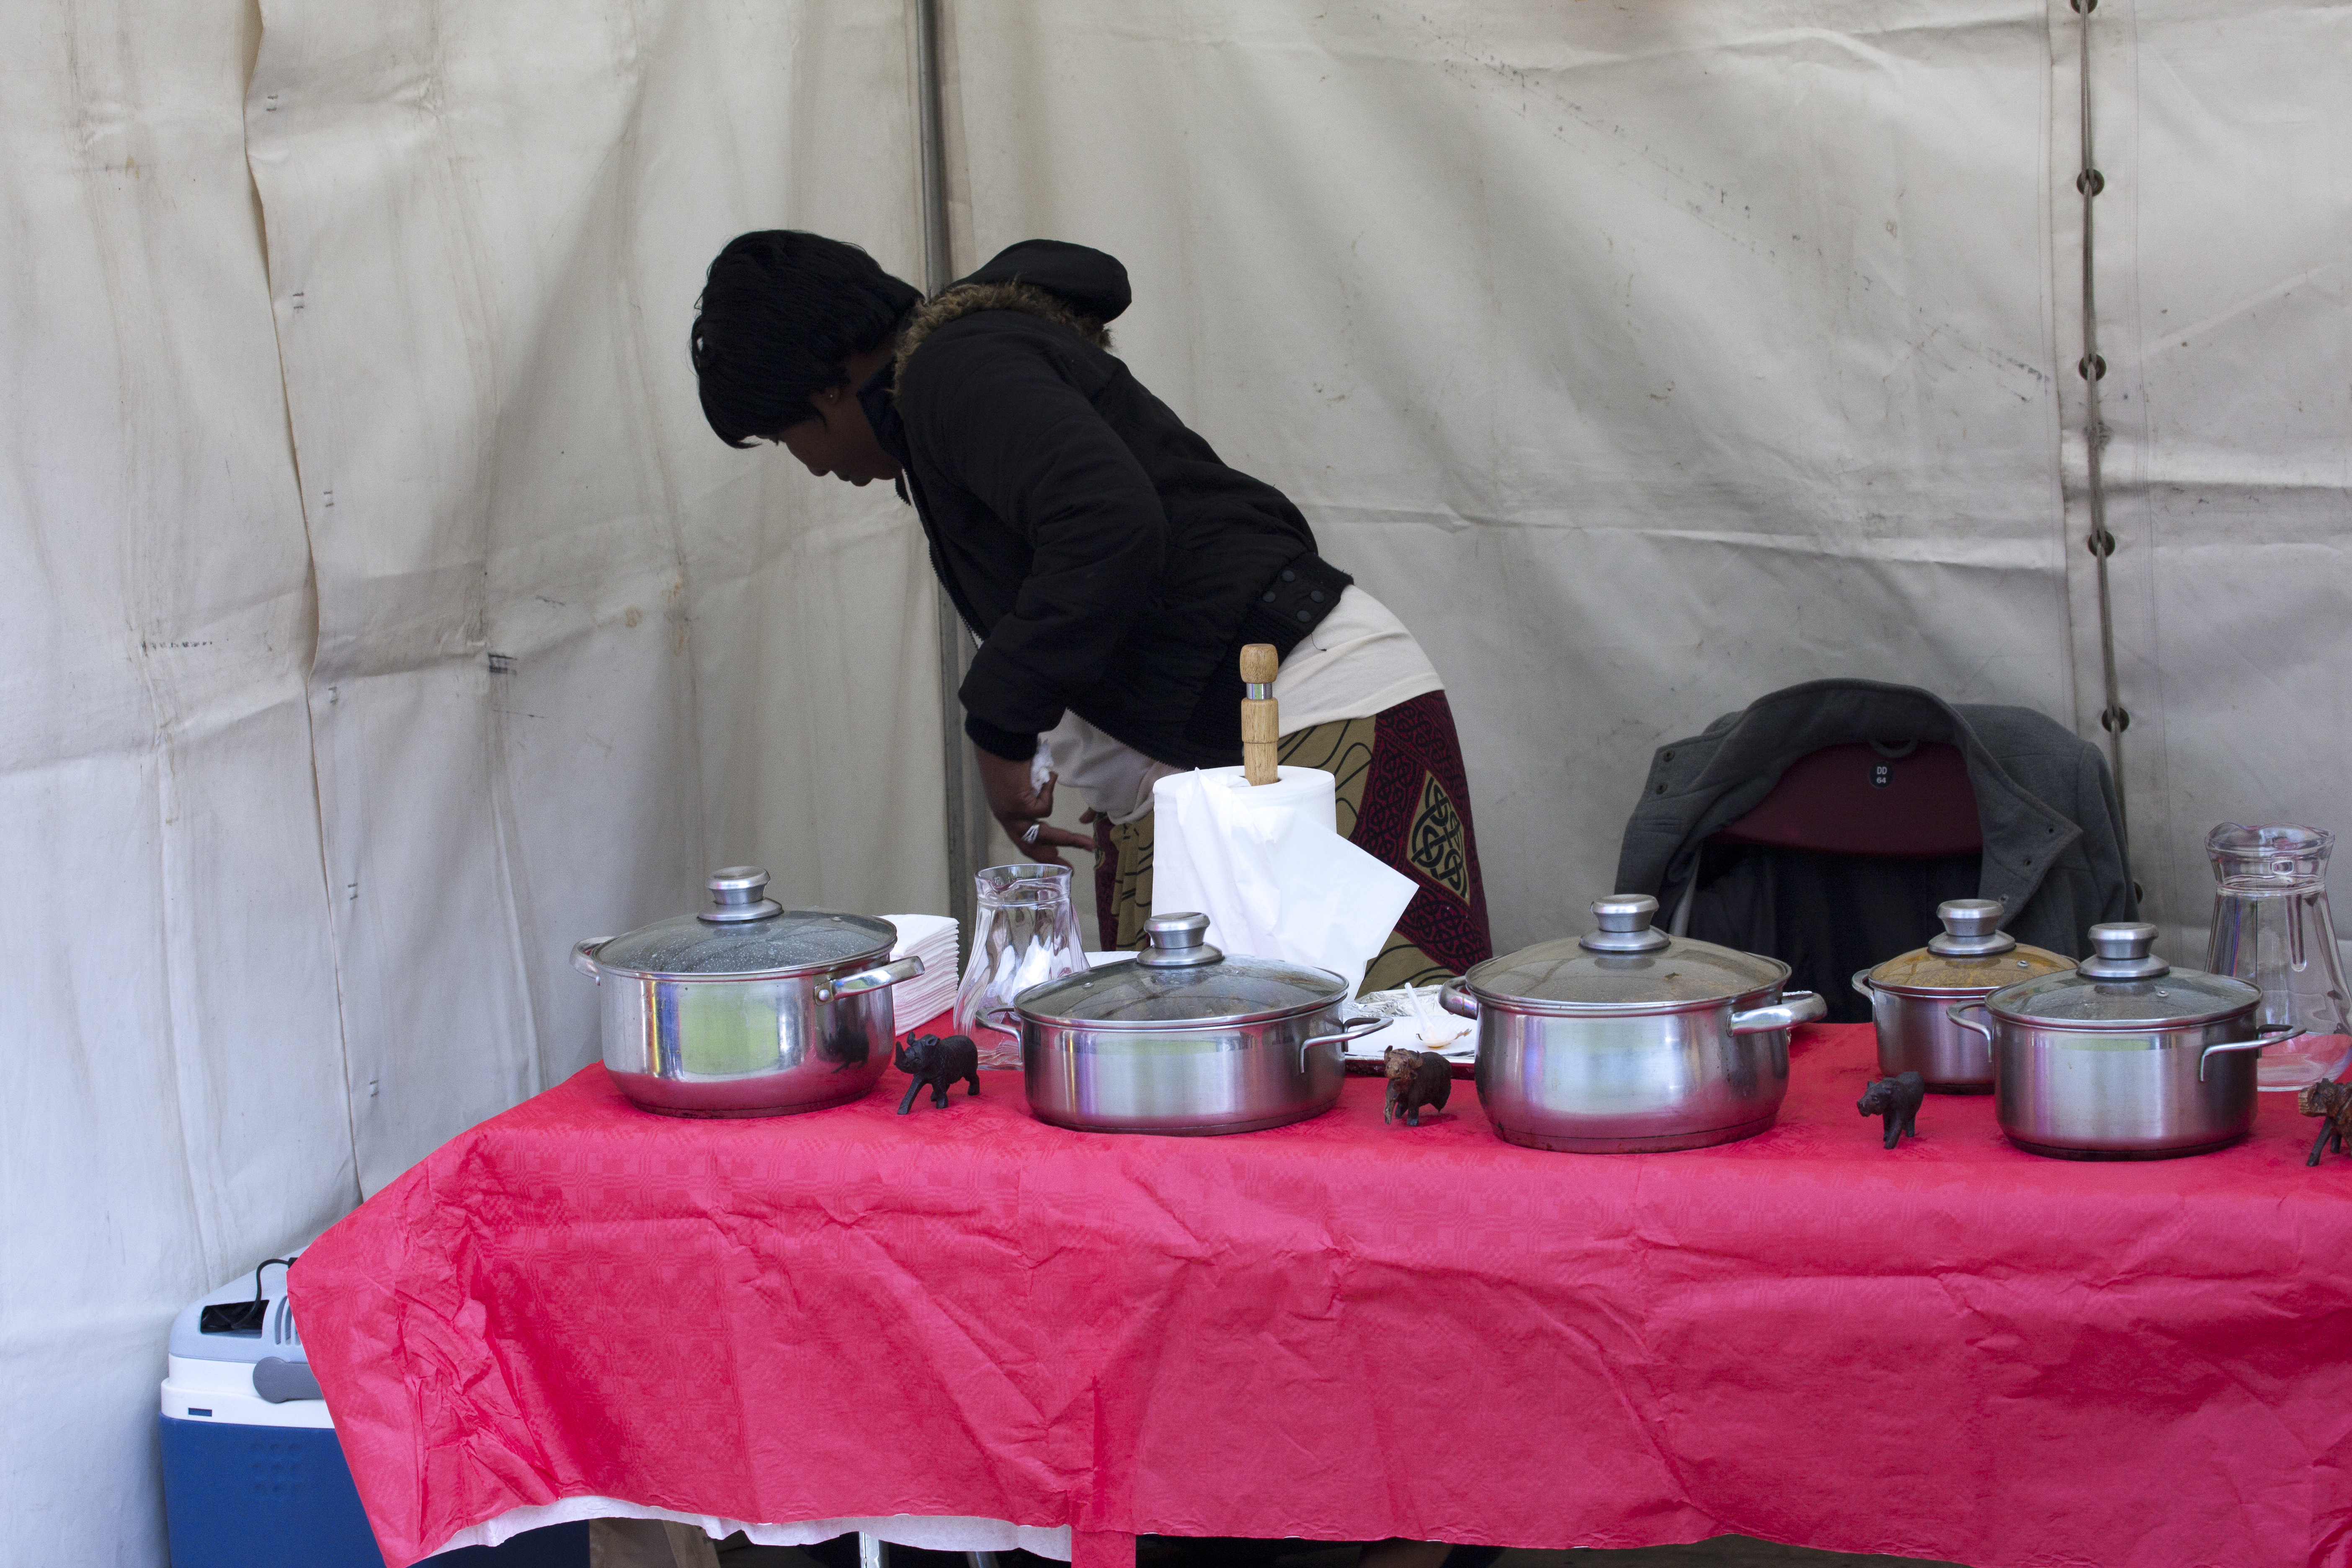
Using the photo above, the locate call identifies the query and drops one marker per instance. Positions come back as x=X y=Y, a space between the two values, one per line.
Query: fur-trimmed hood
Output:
x=1068 y=285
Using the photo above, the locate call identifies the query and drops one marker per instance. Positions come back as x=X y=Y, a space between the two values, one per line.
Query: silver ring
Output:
x=1029 y=835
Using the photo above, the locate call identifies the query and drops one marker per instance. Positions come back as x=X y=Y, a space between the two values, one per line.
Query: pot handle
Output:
x=1955 y=1014
x=872 y=979
x=1796 y=1007
x=584 y=957
x=1003 y=1016
x=1349 y=1029
x=1862 y=984
x=2276 y=1035
x=1457 y=1001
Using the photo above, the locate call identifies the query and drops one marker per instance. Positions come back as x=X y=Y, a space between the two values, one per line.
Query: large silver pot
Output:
x=2123 y=1057
x=1911 y=996
x=1627 y=1039
x=1183 y=1039
x=746 y=1008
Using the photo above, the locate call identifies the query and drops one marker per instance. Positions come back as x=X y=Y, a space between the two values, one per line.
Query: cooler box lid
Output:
x=229 y=1325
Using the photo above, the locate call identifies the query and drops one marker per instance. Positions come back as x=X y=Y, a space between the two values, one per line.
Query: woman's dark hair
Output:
x=780 y=310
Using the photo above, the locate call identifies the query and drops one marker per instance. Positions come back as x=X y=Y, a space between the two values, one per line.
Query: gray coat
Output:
x=2053 y=844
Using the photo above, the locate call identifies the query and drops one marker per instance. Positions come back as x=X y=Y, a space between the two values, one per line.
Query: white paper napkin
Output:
x=1418 y=1025
x=1268 y=866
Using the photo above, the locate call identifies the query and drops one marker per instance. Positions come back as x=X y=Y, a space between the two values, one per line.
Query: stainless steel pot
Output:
x=2123 y=1057
x=746 y=1008
x=1183 y=1039
x=1627 y=1039
x=1911 y=996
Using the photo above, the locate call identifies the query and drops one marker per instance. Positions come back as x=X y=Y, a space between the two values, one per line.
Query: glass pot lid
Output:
x=2124 y=986
x=745 y=933
x=1179 y=980
x=1622 y=967
x=1973 y=957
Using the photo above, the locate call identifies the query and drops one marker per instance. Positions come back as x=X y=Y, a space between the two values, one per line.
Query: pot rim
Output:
x=1174 y=1025
x=1935 y=993
x=2122 y=1025
x=1762 y=996
x=591 y=952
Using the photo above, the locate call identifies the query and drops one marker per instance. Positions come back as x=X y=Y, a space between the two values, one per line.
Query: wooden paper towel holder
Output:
x=1260 y=723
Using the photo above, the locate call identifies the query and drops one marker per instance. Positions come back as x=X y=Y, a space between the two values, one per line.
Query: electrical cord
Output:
x=285 y=1263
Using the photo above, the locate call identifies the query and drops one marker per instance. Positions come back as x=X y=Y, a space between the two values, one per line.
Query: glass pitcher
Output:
x=1026 y=932
x=2271 y=929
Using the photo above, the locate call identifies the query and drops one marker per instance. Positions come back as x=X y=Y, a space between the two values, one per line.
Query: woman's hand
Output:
x=1022 y=812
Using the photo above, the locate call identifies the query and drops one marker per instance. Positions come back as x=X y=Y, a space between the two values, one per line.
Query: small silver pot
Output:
x=2124 y=1058
x=746 y=1008
x=1628 y=1040
x=1183 y=1040
x=1911 y=996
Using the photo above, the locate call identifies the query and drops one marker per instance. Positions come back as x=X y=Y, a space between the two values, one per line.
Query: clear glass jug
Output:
x=2271 y=929
x=1026 y=932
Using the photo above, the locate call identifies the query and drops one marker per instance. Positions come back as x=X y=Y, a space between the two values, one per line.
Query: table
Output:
x=1345 y=1330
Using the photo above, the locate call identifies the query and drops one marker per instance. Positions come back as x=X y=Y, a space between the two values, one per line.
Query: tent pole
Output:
x=966 y=805
x=2113 y=718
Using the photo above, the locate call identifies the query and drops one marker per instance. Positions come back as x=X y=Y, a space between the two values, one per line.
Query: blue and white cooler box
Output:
x=252 y=1477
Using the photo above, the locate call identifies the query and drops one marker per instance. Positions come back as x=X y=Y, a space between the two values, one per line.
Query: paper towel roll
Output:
x=1268 y=866
x=1192 y=850
x=1312 y=792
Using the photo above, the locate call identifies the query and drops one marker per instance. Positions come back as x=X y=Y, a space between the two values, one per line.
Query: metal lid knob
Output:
x=1972 y=929
x=1624 y=925
x=2120 y=950
x=1177 y=940
x=737 y=895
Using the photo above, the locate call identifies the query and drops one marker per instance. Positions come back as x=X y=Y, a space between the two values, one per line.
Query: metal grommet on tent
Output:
x=2115 y=720
x=2091 y=367
x=2101 y=544
x=2090 y=182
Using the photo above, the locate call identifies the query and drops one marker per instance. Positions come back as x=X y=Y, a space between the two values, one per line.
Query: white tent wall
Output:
x=1643 y=362
x=1646 y=359
x=2224 y=234
x=273 y=801
x=574 y=651
x=174 y=1074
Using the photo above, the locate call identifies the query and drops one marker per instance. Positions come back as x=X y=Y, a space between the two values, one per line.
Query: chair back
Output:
x=1843 y=863
x=1912 y=801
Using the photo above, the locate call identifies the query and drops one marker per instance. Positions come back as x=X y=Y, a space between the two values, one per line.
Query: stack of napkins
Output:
x=932 y=938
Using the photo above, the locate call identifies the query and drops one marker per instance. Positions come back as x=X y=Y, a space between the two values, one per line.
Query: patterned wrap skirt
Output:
x=1403 y=797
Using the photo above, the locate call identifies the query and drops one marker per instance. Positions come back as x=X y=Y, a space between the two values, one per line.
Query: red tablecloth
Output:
x=1347 y=1330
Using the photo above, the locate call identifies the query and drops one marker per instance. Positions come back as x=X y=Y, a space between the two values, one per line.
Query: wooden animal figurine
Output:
x=1897 y=1099
x=2332 y=1103
x=1415 y=1078
x=928 y=1059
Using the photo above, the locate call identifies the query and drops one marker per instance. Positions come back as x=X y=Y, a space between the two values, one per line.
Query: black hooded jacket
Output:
x=1110 y=564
